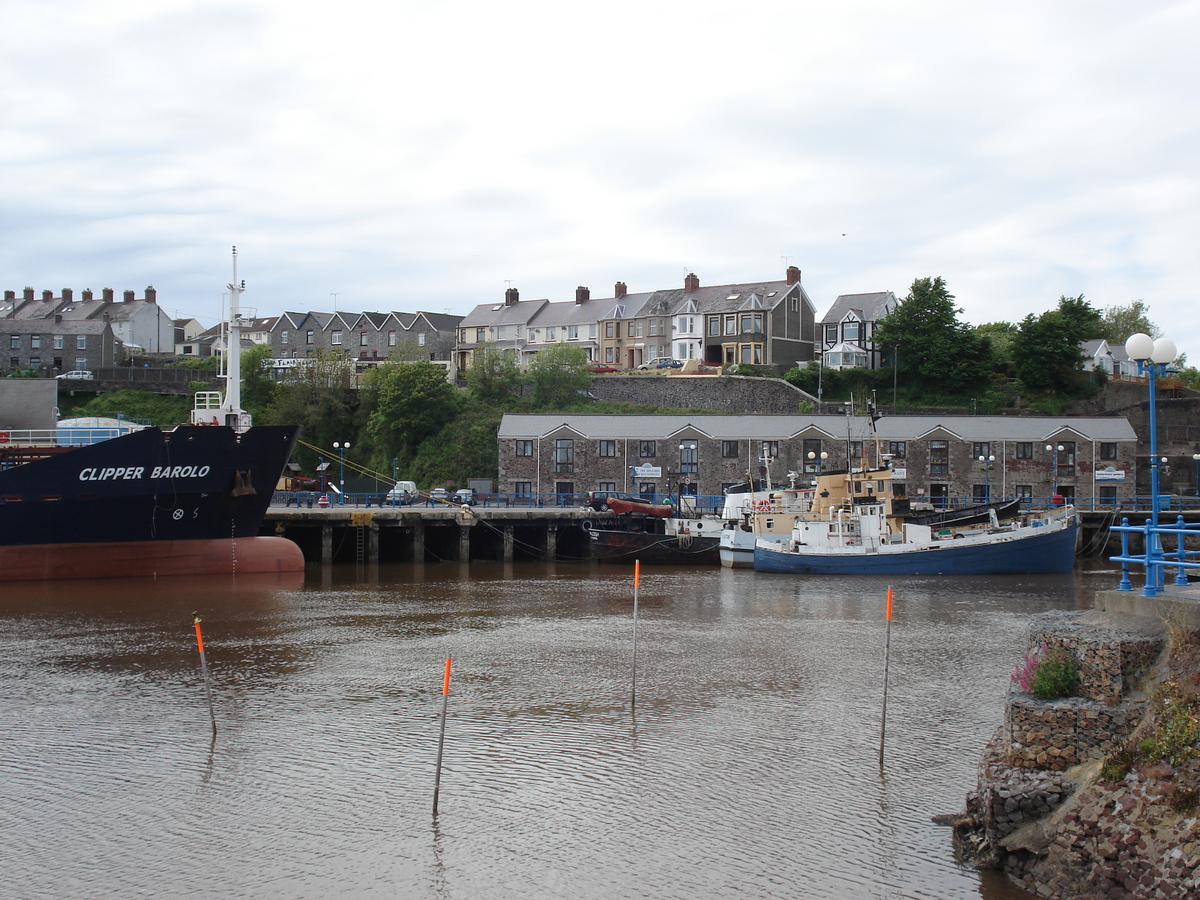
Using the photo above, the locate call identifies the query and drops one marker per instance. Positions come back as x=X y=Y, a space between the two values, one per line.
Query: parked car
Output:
x=466 y=497
x=439 y=493
x=81 y=374
x=661 y=362
x=602 y=370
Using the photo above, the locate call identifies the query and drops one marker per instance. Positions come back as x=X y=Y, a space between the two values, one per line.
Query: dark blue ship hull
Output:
x=193 y=483
x=1039 y=554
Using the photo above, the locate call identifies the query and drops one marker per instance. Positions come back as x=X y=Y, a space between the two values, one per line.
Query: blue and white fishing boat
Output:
x=851 y=530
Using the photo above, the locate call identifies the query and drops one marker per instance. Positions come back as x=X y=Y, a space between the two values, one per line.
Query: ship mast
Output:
x=211 y=408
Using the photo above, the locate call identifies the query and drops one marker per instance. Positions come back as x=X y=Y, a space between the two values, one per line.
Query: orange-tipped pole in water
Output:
x=637 y=577
x=887 y=651
x=204 y=668
x=437 y=778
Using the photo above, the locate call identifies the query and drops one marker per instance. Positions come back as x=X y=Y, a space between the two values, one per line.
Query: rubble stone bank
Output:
x=1042 y=810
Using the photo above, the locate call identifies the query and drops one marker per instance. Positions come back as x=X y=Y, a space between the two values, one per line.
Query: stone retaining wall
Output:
x=724 y=393
x=1108 y=660
x=1059 y=734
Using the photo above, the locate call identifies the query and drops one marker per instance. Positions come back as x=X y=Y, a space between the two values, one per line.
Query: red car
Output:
x=601 y=370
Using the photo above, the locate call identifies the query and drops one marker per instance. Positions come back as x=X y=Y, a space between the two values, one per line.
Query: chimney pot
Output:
x=793 y=275
x=582 y=294
x=619 y=290
x=691 y=283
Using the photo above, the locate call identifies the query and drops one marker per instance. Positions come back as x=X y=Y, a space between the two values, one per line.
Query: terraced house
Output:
x=768 y=323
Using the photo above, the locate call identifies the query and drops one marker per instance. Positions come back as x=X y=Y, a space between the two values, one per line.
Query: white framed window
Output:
x=283 y=336
x=81 y=344
x=421 y=339
x=392 y=337
x=337 y=337
x=58 y=342
x=572 y=332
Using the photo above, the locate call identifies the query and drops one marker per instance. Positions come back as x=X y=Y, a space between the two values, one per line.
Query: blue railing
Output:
x=1156 y=559
x=365 y=500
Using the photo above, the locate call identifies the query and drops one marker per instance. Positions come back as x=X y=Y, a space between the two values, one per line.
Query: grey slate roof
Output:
x=757 y=427
x=870 y=306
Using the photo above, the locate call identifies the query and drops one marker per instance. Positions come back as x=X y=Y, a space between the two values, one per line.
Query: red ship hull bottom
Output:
x=150 y=559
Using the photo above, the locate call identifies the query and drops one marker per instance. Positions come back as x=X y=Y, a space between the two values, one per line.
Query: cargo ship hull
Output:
x=145 y=503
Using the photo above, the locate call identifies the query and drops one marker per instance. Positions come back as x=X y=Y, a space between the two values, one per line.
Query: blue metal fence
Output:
x=1156 y=558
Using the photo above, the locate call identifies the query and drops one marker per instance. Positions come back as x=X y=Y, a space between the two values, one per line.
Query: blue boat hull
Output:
x=1037 y=554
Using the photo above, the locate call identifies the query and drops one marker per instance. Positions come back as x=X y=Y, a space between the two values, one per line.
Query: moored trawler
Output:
x=852 y=530
x=148 y=502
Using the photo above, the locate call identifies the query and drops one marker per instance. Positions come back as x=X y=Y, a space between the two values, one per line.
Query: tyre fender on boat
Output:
x=3 y=437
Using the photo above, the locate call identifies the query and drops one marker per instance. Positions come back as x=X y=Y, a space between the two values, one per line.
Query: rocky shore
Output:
x=1098 y=795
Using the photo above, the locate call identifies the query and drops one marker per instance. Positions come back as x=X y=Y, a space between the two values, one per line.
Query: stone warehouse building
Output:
x=936 y=458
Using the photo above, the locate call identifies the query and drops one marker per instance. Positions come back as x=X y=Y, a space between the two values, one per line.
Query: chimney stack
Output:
x=47 y=295
x=511 y=296
x=28 y=293
x=107 y=295
x=691 y=283
x=128 y=296
x=57 y=319
x=619 y=290
x=68 y=295
x=87 y=296
x=793 y=275
x=10 y=296
x=582 y=295
x=151 y=294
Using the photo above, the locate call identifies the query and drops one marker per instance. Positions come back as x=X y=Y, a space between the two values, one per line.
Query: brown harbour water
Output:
x=748 y=769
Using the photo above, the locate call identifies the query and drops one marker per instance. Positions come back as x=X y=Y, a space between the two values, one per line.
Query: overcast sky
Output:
x=409 y=156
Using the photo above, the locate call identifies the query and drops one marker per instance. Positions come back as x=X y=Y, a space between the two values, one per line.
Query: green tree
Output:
x=933 y=346
x=257 y=384
x=494 y=375
x=1122 y=321
x=1046 y=349
x=412 y=402
x=1000 y=335
x=319 y=397
x=558 y=374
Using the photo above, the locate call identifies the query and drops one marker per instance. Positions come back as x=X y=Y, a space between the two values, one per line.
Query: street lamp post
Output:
x=1196 y=459
x=1055 y=449
x=1152 y=357
x=812 y=455
x=986 y=462
x=341 y=448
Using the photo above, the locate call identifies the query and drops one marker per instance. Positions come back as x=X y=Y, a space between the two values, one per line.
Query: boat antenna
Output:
x=873 y=413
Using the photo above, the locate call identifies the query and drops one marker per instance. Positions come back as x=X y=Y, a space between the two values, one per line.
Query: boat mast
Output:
x=234 y=415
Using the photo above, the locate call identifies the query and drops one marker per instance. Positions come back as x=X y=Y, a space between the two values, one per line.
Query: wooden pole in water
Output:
x=887 y=652
x=204 y=669
x=637 y=576
x=437 y=778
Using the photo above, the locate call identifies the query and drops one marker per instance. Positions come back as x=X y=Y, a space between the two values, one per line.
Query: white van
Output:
x=403 y=492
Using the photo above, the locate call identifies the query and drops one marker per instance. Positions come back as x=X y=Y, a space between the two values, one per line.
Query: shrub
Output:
x=1056 y=675
x=1047 y=674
